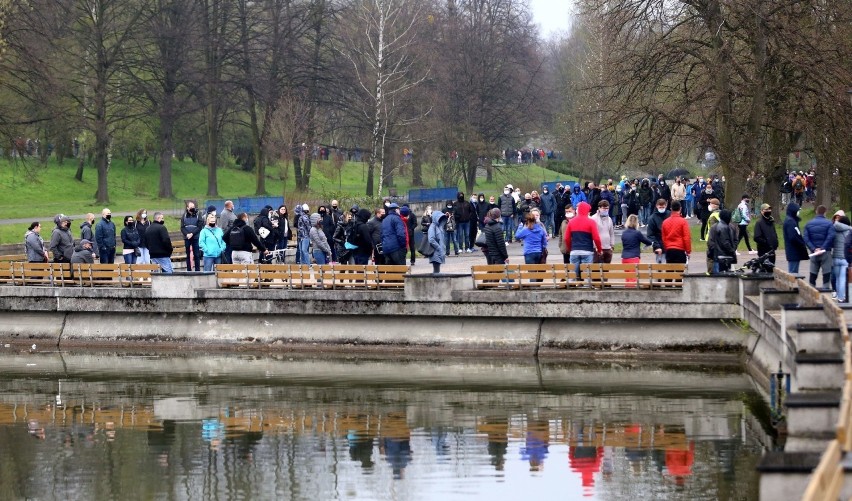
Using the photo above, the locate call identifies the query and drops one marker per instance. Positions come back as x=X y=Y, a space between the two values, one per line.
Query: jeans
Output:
x=577 y=260
x=165 y=263
x=549 y=225
x=645 y=214
x=304 y=254
x=192 y=261
x=532 y=258
x=361 y=258
x=145 y=256
x=451 y=239
x=688 y=204
x=838 y=272
x=129 y=258
x=396 y=257
x=793 y=266
x=508 y=228
x=107 y=255
x=210 y=261
x=319 y=257
x=463 y=236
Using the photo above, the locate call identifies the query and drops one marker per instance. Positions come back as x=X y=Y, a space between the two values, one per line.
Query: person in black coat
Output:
x=495 y=244
x=722 y=242
x=765 y=235
x=794 y=245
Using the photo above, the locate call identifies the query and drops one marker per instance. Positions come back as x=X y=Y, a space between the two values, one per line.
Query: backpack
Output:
x=737 y=216
x=236 y=237
x=798 y=185
x=451 y=224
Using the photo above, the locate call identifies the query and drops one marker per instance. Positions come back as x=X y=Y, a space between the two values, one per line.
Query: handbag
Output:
x=425 y=248
x=480 y=239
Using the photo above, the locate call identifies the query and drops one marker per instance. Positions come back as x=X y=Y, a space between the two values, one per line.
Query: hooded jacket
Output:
x=578 y=196
x=535 y=239
x=61 y=242
x=841 y=231
x=394 y=233
x=462 y=209
x=362 y=233
x=302 y=223
x=438 y=237
x=765 y=235
x=819 y=233
x=722 y=241
x=582 y=234
x=249 y=238
x=495 y=242
x=318 y=239
x=794 y=245
x=35 y=247
x=82 y=255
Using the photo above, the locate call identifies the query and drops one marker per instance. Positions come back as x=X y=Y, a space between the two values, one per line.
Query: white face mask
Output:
x=661 y=210
x=505 y=192
x=603 y=212
x=711 y=208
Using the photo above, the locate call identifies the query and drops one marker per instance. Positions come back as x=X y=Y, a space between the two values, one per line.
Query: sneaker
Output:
x=468 y=251
x=752 y=252
x=833 y=295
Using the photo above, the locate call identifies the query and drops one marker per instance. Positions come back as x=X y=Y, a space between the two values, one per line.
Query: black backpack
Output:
x=236 y=237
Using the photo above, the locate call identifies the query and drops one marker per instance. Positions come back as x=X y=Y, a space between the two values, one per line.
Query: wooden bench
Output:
x=50 y=274
x=296 y=276
x=667 y=275
x=827 y=478
x=178 y=252
x=390 y=276
x=237 y=275
x=137 y=275
x=7 y=276
x=562 y=276
x=8 y=258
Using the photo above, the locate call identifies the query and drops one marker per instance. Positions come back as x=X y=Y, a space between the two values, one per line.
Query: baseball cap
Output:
x=764 y=207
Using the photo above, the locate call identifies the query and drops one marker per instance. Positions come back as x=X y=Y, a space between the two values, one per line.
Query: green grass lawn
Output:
x=36 y=191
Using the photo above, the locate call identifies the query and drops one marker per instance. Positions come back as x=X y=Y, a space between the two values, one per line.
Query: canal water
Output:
x=123 y=426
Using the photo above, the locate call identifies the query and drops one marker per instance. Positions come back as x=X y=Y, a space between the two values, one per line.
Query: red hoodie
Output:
x=583 y=232
x=676 y=234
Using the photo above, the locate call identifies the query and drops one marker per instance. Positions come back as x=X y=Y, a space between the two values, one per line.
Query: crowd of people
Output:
x=583 y=219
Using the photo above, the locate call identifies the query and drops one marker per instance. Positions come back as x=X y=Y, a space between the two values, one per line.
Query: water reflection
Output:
x=227 y=427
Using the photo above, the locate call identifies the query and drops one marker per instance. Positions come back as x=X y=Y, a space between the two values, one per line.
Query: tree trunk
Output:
x=297 y=169
x=101 y=138
x=212 y=150
x=417 y=165
x=81 y=162
x=166 y=148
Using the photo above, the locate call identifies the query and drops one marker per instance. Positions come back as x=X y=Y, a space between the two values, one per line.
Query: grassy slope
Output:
x=34 y=191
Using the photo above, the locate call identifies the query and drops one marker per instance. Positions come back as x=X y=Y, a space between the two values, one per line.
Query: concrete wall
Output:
x=432 y=314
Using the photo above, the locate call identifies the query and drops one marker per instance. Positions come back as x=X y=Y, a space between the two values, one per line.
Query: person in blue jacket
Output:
x=394 y=236
x=794 y=245
x=534 y=237
x=577 y=196
x=819 y=237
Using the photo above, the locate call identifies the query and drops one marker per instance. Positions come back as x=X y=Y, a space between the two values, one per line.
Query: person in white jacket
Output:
x=606 y=230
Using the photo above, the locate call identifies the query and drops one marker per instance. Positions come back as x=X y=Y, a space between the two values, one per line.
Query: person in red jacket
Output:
x=677 y=240
x=582 y=239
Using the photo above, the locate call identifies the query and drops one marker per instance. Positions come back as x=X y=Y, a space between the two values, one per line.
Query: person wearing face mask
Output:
x=462 y=211
x=548 y=208
x=285 y=233
x=159 y=243
x=211 y=243
x=655 y=229
x=765 y=234
x=482 y=209
x=190 y=224
x=606 y=230
x=475 y=222
x=225 y=222
x=142 y=224
x=105 y=237
x=507 y=213
x=61 y=240
x=795 y=248
x=87 y=230
x=567 y=216
x=130 y=240
x=705 y=211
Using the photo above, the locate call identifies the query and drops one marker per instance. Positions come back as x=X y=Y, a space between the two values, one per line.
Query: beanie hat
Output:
x=405 y=211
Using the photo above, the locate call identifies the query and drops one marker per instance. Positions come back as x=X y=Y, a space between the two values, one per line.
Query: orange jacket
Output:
x=676 y=233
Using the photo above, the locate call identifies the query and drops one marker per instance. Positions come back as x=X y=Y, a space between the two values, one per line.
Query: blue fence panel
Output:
x=253 y=205
x=219 y=203
x=432 y=194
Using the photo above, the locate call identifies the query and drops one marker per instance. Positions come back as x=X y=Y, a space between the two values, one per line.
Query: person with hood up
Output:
x=241 y=238
x=577 y=196
x=61 y=240
x=507 y=209
x=361 y=238
x=303 y=229
x=795 y=248
x=130 y=240
x=34 y=245
x=437 y=239
x=722 y=243
x=83 y=253
x=462 y=211
x=211 y=243
x=765 y=235
x=87 y=230
x=495 y=244
x=319 y=242
x=394 y=236
x=582 y=239
x=548 y=210
x=819 y=237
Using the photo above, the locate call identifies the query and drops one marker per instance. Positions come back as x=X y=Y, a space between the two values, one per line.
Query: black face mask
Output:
x=322 y=213
x=108 y=217
x=767 y=214
x=192 y=211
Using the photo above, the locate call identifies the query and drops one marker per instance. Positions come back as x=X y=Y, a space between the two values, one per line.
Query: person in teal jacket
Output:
x=211 y=243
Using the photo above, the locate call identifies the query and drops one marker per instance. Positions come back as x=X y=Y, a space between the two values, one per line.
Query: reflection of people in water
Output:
x=35 y=429
x=396 y=442
x=497 y=429
x=537 y=441
x=585 y=459
x=360 y=437
x=635 y=455
x=439 y=440
x=679 y=462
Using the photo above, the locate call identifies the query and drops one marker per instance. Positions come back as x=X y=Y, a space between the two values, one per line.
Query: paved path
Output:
x=48 y=220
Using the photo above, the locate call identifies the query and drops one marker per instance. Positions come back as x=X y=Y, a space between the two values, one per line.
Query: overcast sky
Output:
x=551 y=15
